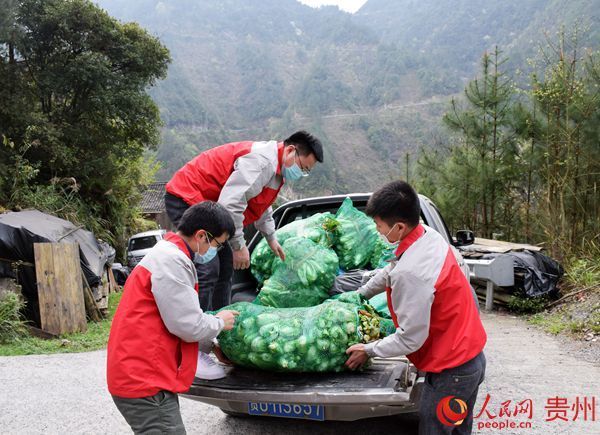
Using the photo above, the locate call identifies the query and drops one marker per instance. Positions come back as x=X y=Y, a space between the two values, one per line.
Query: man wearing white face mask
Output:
x=245 y=177
x=432 y=306
x=159 y=326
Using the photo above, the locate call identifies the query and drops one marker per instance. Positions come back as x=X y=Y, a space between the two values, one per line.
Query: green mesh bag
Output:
x=379 y=302
x=311 y=339
x=377 y=306
x=318 y=228
x=387 y=327
x=356 y=236
x=382 y=254
x=303 y=279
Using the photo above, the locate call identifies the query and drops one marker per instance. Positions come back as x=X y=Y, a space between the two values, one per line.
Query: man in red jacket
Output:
x=244 y=177
x=432 y=305
x=159 y=325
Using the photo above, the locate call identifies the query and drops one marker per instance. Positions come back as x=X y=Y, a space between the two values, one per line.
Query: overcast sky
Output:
x=346 y=5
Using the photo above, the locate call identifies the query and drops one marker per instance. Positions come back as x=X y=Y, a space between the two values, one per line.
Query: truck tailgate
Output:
x=385 y=388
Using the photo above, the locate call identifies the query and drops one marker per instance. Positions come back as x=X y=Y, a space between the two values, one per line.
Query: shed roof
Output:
x=153 y=198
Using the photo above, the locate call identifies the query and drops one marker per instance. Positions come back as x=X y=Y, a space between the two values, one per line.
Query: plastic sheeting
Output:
x=20 y=230
x=536 y=274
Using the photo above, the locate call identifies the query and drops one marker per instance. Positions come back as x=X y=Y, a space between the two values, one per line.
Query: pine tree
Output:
x=482 y=160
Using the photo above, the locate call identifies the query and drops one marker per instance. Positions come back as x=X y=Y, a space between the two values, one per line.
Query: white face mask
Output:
x=386 y=240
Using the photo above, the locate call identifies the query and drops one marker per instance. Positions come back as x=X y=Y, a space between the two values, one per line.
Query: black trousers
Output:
x=214 y=277
x=463 y=383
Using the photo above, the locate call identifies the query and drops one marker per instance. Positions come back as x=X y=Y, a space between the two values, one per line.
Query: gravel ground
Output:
x=66 y=394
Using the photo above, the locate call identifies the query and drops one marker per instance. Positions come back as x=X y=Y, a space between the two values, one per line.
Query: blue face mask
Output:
x=292 y=173
x=207 y=256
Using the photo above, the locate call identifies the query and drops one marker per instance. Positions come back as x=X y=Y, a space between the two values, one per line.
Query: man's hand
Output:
x=358 y=356
x=277 y=249
x=228 y=317
x=241 y=258
x=221 y=356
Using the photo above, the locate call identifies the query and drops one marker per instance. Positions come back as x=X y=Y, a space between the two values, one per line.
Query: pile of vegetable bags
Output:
x=317 y=249
x=303 y=279
x=319 y=228
x=308 y=339
x=292 y=325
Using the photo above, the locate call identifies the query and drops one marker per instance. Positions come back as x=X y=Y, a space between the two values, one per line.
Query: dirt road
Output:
x=57 y=394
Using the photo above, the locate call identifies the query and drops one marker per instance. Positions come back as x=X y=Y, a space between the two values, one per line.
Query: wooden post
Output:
x=113 y=286
x=58 y=275
x=91 y=307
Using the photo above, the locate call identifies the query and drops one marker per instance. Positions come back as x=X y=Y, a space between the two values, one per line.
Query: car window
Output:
x=139 y=243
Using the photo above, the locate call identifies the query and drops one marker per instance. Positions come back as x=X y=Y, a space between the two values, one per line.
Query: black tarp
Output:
x=536 y=274
x=20 y=230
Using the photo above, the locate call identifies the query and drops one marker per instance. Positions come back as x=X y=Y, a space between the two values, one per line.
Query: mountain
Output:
x=372 y=85
x=457 y=32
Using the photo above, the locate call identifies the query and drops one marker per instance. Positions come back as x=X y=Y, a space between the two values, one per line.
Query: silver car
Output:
x=140 y=244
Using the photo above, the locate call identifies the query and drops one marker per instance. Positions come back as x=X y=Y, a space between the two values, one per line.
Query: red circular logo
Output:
x=447 y=416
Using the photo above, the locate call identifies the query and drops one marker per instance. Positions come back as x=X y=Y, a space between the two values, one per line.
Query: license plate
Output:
x=289 y=410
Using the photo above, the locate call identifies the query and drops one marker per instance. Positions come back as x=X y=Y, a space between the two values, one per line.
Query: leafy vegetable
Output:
x=304 y=278
x=311 y=339
x=319 y=228
x=356 y=237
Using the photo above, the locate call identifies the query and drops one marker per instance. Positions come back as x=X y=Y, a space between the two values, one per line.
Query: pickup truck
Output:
x=387 y=387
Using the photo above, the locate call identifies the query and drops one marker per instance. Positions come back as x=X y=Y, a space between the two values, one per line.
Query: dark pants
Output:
x=214 y=278
x=463 y=383
x=158 y=414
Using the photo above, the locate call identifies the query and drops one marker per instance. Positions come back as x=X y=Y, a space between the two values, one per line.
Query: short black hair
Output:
x=208 y=216
x=395 y=202
x=306 y=144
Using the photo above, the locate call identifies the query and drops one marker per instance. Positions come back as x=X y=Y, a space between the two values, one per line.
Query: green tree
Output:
x=478 y=168
x=566 y=94
x=73 y=83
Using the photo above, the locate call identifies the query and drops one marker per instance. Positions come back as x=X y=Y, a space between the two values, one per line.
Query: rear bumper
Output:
x=342 y=404
x=399 y=403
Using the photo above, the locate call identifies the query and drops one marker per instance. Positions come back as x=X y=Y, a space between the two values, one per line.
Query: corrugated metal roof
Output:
x=153 y=198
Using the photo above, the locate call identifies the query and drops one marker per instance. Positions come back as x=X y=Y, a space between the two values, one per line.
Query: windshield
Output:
x=142 y=243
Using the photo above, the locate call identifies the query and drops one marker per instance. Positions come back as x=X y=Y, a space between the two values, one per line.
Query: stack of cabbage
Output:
x=311 y=264
x=291 y=326
x=309 y=339
x=303 y=279
x=318 y=228
x=356 y=237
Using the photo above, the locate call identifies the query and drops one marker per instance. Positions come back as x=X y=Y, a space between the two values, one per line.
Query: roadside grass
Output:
x=94 y=338
x=569 y=320
x=579 y=315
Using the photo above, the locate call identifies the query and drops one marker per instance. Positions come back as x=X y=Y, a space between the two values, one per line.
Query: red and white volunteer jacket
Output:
x=245 y=177
x=437 y=320
x=159 y=325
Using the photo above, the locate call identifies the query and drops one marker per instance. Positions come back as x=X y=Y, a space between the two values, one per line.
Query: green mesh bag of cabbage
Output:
x=356 y=237
x=378 y=308
x=311 y=339
x=319 y=228
x=303 y=279
x=382 y=253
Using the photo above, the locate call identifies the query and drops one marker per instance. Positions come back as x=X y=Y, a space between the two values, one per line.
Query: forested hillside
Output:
x=373 y=85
